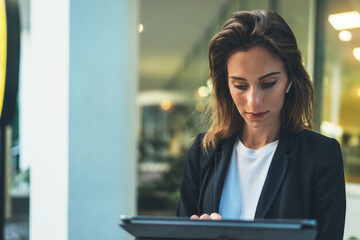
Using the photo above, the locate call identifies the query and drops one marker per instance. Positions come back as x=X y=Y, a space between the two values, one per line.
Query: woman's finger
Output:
x=205 y=217
x=215 y=216
x=194 y=217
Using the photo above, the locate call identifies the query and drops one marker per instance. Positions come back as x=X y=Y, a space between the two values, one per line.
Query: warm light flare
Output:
x=345 y=20
x=331 y=129
x=166 y=105
x=356 y=53
x=203 y=91
x=345 y=36
x=140 y=28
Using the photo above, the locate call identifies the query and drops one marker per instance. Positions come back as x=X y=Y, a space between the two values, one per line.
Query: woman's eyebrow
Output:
x=268 y=75
x=237 y=78
x=260 y=78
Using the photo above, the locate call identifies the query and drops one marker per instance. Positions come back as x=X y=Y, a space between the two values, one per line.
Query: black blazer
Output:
x=305 y=181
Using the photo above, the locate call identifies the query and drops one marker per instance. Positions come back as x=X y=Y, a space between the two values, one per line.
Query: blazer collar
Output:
x=222 y=161
x=275 y=176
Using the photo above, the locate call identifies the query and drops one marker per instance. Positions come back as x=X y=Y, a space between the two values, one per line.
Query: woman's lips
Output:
x=256 y=115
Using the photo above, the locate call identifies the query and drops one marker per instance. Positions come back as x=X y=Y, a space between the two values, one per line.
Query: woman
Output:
x=259 y=158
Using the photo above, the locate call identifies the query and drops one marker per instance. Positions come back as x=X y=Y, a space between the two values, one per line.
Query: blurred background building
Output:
x=113 y=92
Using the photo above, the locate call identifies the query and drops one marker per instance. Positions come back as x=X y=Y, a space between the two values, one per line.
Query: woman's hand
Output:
x=213 y=216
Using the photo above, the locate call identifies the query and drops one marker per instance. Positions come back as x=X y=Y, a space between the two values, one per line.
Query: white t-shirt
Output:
x=244 y=180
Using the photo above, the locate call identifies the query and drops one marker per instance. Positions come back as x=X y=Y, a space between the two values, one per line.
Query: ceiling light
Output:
x=358 y=92
x=345 y=36
x=345 y=20
x=140 y=28
x=356 y=53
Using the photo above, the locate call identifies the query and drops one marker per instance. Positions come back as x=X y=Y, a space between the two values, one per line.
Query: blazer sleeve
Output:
x=328 y=199
x=189 y=188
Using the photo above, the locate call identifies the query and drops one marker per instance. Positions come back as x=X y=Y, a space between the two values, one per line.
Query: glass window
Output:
x=341 y=97
x=171 y=113
x=341 y=85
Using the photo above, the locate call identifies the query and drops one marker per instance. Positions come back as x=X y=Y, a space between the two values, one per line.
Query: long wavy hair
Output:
x=243 y=31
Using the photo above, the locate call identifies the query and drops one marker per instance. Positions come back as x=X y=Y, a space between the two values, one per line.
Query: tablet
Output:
x=174 y=228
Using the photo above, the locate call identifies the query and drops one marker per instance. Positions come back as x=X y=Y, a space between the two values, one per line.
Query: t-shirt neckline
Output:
x=263 y=150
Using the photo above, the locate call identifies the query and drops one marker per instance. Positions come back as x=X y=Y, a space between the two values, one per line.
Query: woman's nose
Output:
x=254 y=97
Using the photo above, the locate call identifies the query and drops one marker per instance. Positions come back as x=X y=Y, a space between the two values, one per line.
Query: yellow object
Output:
x=3 y=52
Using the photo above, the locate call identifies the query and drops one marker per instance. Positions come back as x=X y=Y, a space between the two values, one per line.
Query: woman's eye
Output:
x=268 y=84
x=241 y=87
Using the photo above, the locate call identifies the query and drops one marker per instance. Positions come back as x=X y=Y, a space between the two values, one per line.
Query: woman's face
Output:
x=257 y=81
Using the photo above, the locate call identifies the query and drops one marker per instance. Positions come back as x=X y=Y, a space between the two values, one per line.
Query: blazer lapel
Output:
x=276 y=174
x=222 y=161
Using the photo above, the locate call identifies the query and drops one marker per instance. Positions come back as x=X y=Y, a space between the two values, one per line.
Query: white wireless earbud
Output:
x=288 y=88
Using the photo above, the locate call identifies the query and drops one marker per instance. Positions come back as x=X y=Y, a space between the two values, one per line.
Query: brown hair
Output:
x=245 y=30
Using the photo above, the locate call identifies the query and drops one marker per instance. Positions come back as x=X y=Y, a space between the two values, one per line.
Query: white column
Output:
x=80 y=121
x=47 y=118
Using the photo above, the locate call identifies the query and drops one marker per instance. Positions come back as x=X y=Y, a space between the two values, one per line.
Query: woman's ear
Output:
x=288 y=88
